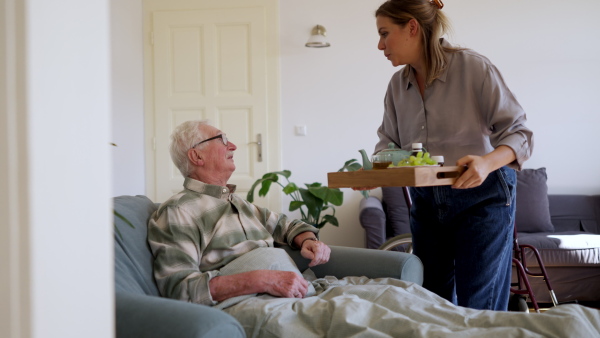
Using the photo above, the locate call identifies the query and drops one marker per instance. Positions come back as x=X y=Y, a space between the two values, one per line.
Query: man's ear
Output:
x=195 y=157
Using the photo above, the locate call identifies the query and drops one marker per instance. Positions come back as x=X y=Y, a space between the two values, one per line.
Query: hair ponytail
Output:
x=434 y=24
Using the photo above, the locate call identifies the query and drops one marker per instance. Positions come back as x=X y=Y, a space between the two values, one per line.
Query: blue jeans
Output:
x=464 y=237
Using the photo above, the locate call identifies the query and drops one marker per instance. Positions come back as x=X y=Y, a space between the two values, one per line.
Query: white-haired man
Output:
x=200 y=230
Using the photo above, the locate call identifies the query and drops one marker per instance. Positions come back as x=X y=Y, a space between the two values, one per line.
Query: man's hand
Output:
x=311 y=248
x=277 y=283
x=285 y=284
x=317 y=251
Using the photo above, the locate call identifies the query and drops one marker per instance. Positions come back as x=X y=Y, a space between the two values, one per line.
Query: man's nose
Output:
x=231 y=145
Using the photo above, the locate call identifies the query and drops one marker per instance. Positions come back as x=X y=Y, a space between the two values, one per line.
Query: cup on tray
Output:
x=381 y=161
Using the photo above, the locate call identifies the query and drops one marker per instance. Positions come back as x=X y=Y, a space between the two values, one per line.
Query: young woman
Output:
x=455 y=102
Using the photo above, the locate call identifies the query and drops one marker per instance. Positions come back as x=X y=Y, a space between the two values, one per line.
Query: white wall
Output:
x=546 y=50
x=56 y=215
x=127 y=95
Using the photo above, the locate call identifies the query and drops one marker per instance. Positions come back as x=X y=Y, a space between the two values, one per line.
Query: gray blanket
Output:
x=362 y=307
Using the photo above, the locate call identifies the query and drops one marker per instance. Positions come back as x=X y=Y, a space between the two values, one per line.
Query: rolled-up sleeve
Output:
x=505 y=117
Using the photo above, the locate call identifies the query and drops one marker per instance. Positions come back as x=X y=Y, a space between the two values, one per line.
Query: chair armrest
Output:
x=346 y=261
x=146 y=316
x=373 y=219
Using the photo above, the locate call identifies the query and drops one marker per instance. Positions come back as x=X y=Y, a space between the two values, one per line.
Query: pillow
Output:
x=533 y=207
x=259 y=259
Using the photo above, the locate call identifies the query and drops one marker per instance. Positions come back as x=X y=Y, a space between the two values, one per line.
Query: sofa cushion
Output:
x=569 y=248
x=533 y=208
x=133 y=258
x=575 y=212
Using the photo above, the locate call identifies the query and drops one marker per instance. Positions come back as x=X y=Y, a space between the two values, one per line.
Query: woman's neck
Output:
x=420 y=76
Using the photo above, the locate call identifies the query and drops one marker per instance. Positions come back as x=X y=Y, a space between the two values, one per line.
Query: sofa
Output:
x=141 y=312
x=565 y=229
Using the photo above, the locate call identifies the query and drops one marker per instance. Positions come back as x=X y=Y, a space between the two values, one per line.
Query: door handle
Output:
x=259 y=149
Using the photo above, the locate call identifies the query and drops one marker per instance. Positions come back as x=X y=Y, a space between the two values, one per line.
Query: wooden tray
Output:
x=395 y=177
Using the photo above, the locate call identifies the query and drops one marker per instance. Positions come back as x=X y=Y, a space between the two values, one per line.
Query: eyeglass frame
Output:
x=223 y=138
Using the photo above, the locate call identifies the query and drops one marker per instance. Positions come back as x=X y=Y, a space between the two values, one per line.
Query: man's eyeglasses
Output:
x=221 y=136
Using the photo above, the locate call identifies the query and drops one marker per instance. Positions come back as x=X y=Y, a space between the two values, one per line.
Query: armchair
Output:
x=141 y=312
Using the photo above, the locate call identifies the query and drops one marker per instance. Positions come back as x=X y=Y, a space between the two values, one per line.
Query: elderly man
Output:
x=206 y=226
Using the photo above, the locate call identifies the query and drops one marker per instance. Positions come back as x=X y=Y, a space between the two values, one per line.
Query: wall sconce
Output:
x=317 y=38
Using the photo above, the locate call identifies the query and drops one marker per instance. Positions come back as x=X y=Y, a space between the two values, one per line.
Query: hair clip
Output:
x=438 y=3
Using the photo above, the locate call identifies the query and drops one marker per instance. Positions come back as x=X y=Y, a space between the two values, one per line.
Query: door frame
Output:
x=273 y=149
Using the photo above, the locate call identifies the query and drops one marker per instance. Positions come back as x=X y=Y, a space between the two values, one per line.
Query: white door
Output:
x=212 y=64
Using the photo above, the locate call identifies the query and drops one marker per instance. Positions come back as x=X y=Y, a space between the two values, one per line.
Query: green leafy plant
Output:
x=354 y=165
x=311 y=201
x=125 y=220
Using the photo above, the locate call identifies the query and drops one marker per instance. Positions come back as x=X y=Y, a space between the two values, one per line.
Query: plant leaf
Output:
x=313 y=203
x=118 y=232
x=284 y=173
x=264 y=188
x=123 y=218
x=271 y=176
x=351 y=165
x=265 y=183
x=290 y=188
x=295 y=205
x=328 y=195
x=250 y=195
x=331 y=219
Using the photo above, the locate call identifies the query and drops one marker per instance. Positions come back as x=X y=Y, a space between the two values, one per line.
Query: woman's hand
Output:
x=363 y=188
x=478 y=170
x=479 y=167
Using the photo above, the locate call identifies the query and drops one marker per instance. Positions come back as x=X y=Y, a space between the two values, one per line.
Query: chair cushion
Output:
x=533 y=208
x=133 y=258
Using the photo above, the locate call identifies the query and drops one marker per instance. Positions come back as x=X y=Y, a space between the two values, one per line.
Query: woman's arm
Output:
x=479 y=167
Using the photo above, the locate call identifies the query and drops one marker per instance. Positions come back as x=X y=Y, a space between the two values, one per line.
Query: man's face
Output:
x=217 y=157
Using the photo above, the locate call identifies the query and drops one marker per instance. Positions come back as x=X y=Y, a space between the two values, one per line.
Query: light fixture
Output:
x=317 y=38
